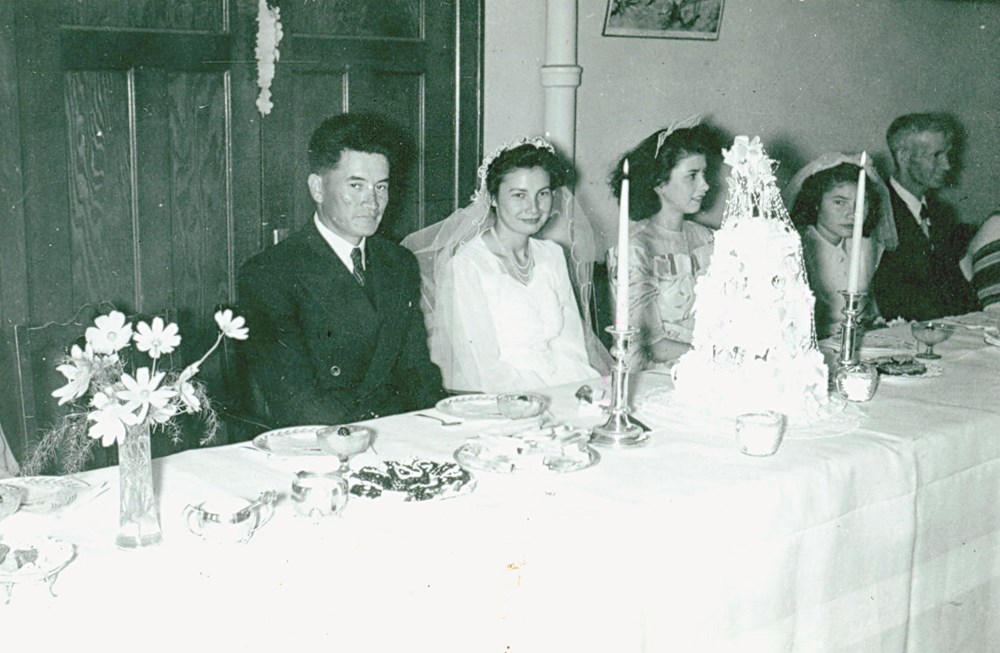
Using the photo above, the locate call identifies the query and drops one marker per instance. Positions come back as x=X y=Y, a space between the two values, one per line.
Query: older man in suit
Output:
x=921 y=278
x=338 y=334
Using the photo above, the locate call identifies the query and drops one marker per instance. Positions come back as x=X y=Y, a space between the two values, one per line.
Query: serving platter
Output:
x=473 y=406
x=47 y=494
x=290 y=441
x=411 y=480
x=904 y=367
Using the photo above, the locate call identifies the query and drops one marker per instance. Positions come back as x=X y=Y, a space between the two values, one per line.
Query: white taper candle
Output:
x=854 y=272
x=621 y=298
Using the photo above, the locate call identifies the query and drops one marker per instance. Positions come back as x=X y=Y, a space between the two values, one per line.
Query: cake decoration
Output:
x=754 y=342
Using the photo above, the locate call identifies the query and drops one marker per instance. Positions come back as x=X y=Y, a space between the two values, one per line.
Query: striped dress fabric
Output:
x=986 y=273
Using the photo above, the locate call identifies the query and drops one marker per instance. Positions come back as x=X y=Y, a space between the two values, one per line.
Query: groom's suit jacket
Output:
x=920 y=279
x=325 y=350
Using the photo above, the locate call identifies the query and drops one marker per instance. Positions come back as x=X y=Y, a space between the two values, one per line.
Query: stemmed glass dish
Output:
x=930 y=334
x=344 y=442
x=521 y=405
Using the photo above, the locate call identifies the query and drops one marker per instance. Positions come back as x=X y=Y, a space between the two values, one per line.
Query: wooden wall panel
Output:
x=201 y=209
x=184 y=209
x=199 y=15
x=400 y=95
x=380 y=18
x=314 y=97
x=100 y=189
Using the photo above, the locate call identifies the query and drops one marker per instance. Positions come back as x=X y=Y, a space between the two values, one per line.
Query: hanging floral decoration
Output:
x=268 y=37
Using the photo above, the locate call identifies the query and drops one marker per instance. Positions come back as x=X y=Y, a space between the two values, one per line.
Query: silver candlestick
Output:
x=855 y=380
x=619 y=431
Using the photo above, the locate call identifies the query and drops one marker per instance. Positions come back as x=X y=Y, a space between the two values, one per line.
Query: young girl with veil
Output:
x=504 y=312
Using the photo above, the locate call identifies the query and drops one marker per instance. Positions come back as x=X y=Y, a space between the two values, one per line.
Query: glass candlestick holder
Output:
x=854 y=379
x=619 y=432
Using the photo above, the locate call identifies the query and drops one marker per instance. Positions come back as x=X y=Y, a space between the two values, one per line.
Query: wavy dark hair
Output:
x=528 y=156
x=648 y=168
x=807 y=203
x=360 y=132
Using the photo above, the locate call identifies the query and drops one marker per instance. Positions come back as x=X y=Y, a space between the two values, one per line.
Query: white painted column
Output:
x=561 y=75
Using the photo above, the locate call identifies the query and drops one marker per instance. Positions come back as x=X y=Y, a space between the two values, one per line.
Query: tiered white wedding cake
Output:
x=754 y=343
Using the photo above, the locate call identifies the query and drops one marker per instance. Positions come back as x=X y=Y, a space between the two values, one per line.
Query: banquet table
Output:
x=882 y=535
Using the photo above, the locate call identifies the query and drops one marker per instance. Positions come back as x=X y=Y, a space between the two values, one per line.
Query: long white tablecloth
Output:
x=885 y=538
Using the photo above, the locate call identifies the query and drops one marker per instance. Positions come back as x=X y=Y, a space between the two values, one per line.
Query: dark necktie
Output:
x=359 y=268
x=925 y=223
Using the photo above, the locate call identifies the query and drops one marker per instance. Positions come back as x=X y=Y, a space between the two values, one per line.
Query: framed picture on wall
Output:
x=664 y=19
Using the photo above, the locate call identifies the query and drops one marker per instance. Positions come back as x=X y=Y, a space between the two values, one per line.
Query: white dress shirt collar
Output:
x=914 y=203
x=340 y=247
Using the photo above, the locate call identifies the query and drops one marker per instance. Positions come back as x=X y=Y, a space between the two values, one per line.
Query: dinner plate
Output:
x=474 y=406
x=290 y=441
x=46 y=494
x=473 y=455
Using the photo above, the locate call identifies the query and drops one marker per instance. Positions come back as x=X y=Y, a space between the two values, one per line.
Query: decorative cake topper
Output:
x=753 y=190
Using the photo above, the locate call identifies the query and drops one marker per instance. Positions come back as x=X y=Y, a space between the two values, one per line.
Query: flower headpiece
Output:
x=687 y=123
x=484 y=167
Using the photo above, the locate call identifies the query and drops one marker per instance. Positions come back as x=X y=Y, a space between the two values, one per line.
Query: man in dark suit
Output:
x=921 y=278
x=338 y=334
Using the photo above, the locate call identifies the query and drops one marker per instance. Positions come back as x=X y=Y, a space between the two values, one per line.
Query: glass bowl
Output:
x=930 y=334
x=344 y=441
x=521 y=405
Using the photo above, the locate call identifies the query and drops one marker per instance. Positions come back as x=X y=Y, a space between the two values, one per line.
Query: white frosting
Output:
x=754 y=342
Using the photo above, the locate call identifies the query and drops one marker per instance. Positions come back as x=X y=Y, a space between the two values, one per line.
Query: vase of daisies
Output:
x=122 y=391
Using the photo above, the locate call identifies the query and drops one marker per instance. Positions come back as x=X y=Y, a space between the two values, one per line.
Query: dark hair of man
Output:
x=648 y=168
x=360 y=132
x=528 y=156
x=807 y=203
x=904 y=127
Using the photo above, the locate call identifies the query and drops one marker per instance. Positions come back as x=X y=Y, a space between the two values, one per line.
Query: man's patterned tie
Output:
x=359 y=268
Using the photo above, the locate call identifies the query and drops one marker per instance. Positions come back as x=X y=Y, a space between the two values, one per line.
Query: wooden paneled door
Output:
x=135 y=168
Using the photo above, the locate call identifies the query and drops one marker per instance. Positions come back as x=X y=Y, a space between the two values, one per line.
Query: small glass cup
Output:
x=759 y=434
x=856 y=381
x=318 y=495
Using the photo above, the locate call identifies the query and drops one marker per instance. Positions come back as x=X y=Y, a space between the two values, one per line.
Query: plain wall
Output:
x=807 y=76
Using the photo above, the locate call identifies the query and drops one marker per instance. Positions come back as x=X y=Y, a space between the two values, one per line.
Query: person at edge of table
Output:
x=822 y=197
x=921 y=279
x=981 y=264
x=668 y=250
x=338 y=334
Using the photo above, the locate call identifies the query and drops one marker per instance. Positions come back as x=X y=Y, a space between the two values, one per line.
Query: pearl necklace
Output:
x=522 y=273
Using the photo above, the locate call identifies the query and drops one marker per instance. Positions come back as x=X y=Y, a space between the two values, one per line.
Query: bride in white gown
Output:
x=499 y=300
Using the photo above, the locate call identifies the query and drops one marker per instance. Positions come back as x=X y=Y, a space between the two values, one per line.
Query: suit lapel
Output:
x=326 y=275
